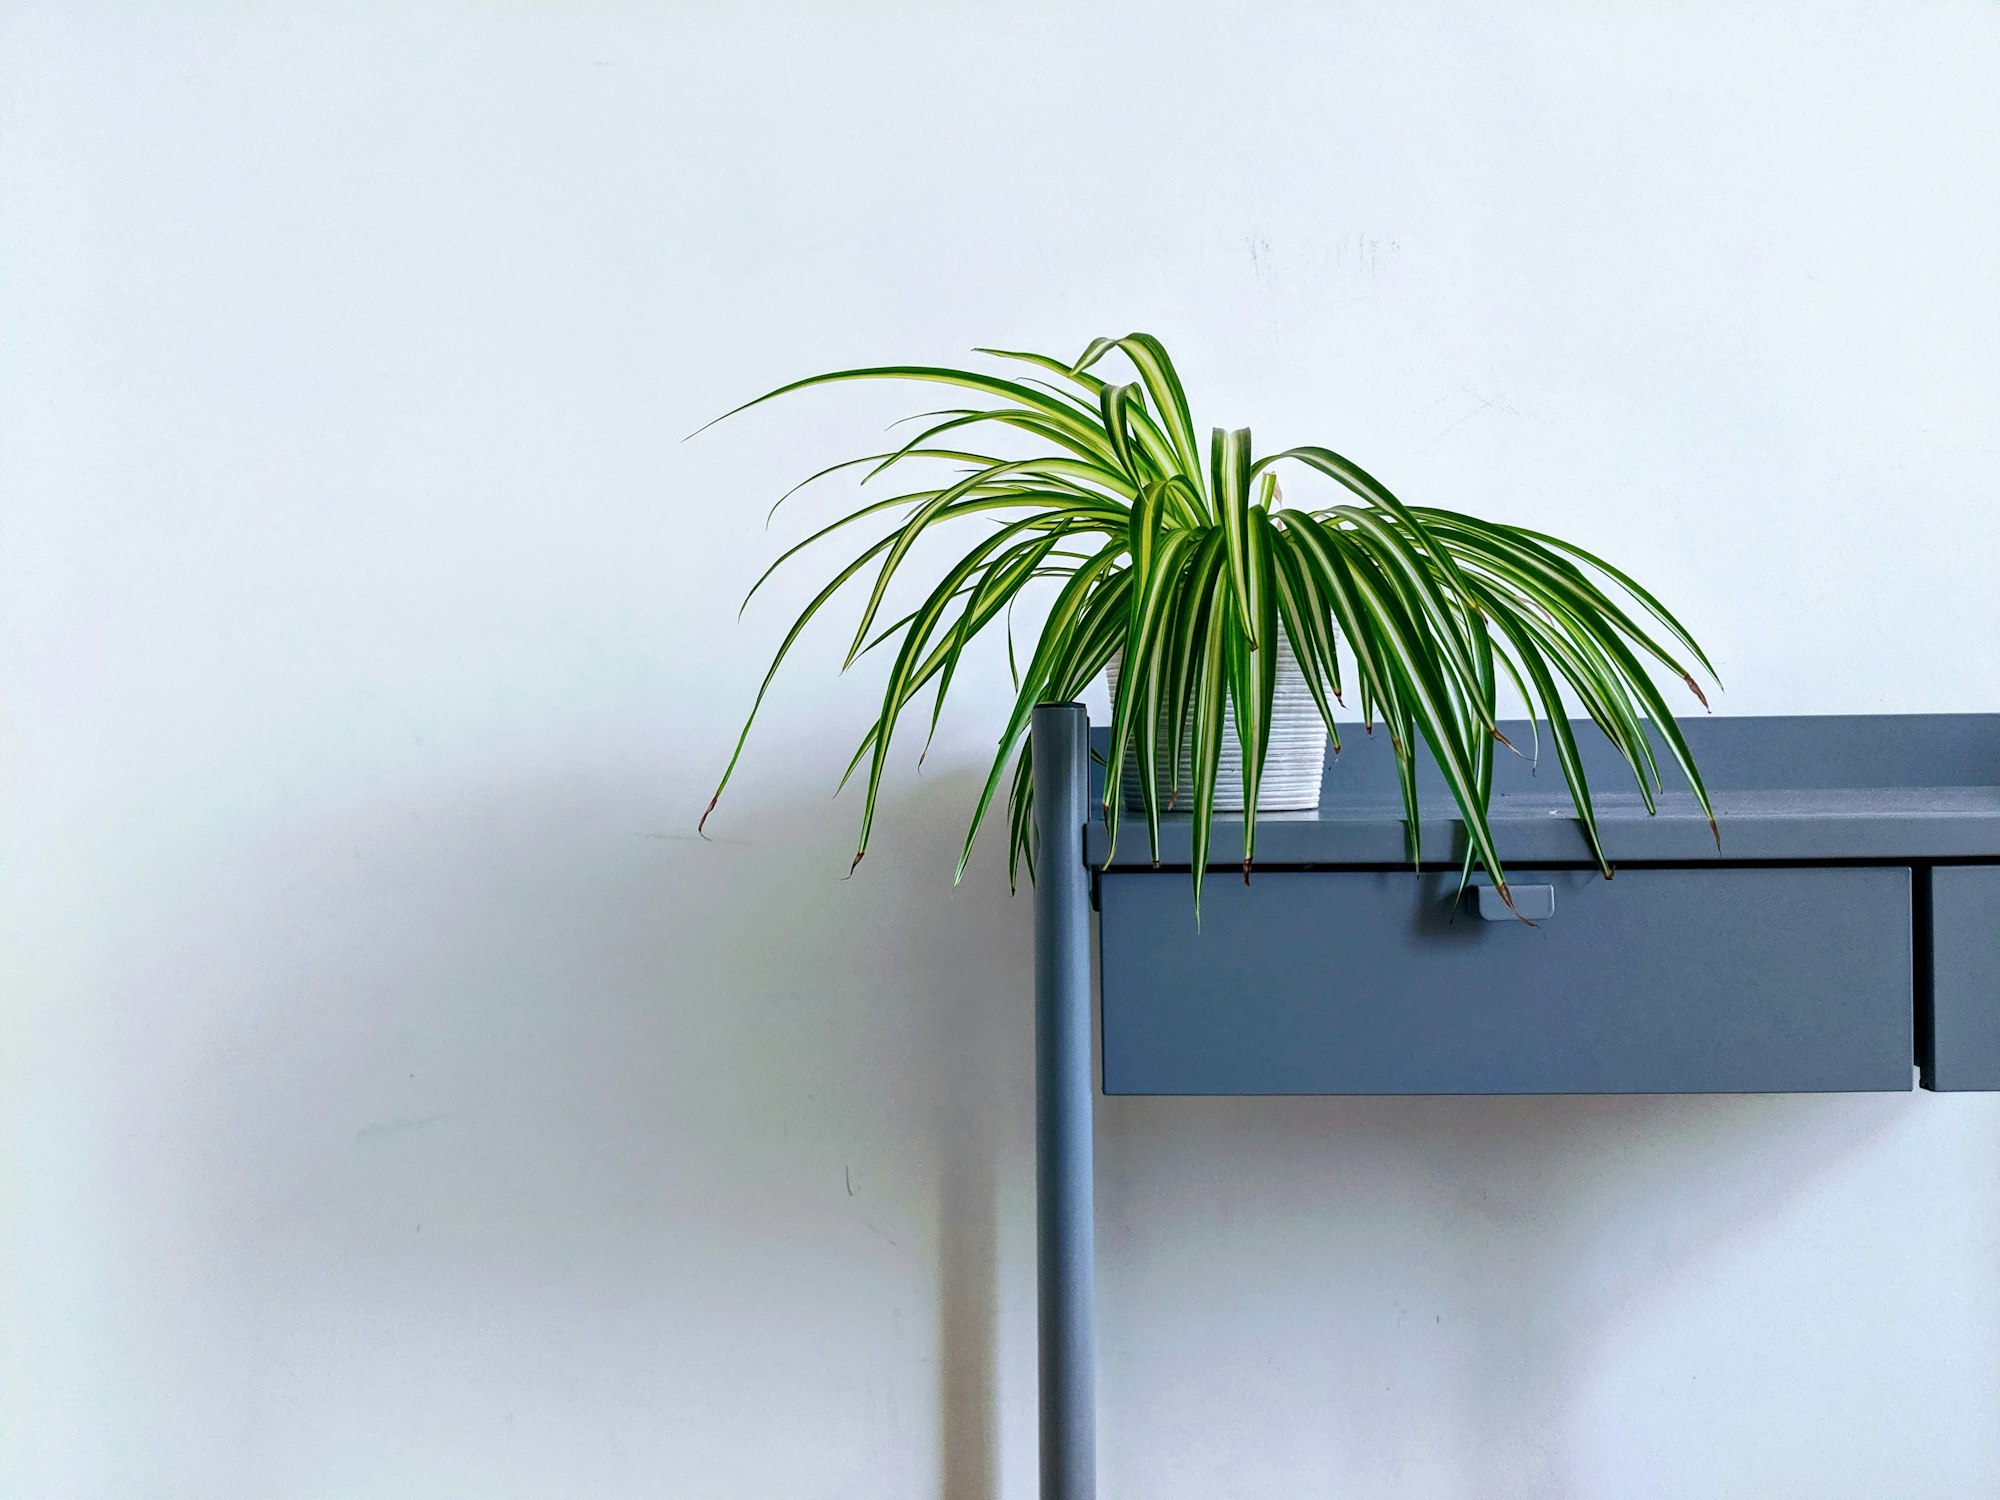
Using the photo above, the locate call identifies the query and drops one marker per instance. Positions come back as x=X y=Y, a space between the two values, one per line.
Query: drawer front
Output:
x=1660 y=981
x=1963 y=1050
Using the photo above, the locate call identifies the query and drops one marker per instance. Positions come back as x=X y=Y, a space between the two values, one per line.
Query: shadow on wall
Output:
x=1437 y=1270
x=531 y=1127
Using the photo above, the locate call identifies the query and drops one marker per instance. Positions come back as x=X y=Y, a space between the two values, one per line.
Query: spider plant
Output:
x=1192 y=565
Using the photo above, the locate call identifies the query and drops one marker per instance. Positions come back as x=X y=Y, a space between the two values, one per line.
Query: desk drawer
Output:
x=1708 y=980
x=1963 y=1043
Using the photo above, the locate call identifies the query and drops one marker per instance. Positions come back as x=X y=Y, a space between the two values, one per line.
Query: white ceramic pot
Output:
x=1292 y=765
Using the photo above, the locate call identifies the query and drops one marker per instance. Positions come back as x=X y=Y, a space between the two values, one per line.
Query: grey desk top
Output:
x=1888 y=787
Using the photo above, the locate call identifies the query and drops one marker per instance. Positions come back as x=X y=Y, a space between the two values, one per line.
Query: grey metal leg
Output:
x=1063 y=1099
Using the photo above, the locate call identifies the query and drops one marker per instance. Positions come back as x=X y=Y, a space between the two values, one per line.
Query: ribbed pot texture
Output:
x=1292 y=765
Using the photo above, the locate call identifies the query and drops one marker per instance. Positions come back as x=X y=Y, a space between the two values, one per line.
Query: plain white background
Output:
x=399 y=1102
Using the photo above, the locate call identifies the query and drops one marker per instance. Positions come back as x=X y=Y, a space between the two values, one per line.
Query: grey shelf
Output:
x=1876 y=787
x=1841 y=938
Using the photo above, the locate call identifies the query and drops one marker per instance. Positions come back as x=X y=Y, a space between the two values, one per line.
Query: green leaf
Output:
x=1163 y=384
x=1210 y=690
x=1520 y=558
x=1116 y=403
x=1325 y=565
x=933 y=510
x=778 y=660
x=1143 y=688
x=1360 y=482
x=906 y=675
x=1056 y=631
x=1414 y=669
x=1253 y=673
x=1406 y=571
x=1651 y=605
x=1059 y=416
x=1567 y=754
x=1189 y=613
x=1229 y=461
x=1303 y=613
x=1158 y=555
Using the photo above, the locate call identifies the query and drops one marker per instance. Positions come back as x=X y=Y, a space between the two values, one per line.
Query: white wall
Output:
x=399 y=1102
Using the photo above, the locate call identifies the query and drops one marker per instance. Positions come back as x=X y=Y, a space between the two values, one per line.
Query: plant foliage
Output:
x=1192 y=566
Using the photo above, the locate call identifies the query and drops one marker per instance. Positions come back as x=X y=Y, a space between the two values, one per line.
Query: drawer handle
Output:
x=1535 y=902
